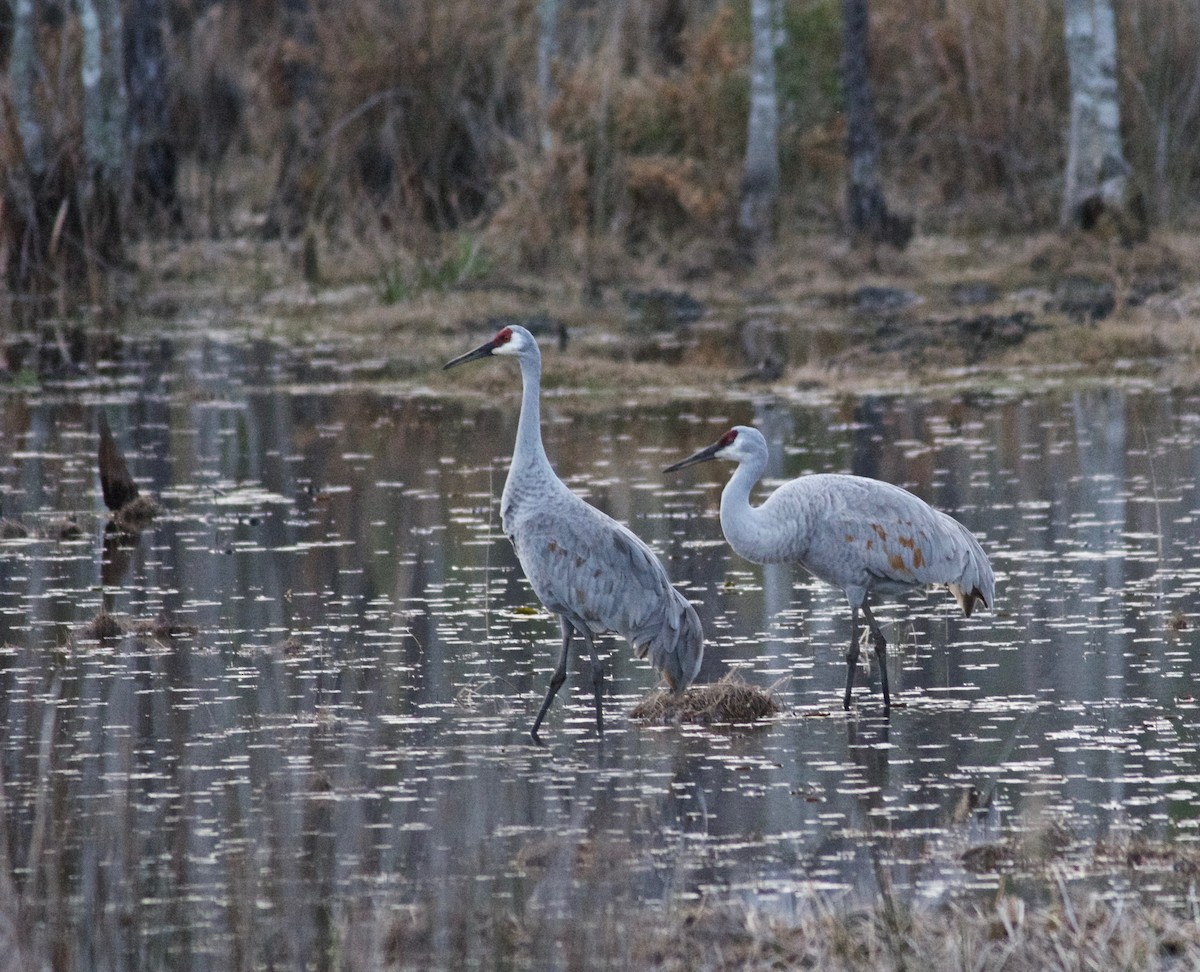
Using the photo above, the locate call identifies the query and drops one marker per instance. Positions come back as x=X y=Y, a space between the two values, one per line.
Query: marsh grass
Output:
x=805 y=293
x=1071 y=932
x=1057 y=928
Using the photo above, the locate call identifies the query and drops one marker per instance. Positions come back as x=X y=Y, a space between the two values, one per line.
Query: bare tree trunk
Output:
x=151 y=148
x=547 y=15
x=295 y=192
x=104 y=100
x=24 y=236
x=22 y=74
x=867 y=209
x=1097 y=176
x=760 y=172
x=105 y=114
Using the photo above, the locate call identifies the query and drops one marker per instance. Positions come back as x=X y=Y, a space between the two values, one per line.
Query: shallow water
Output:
x=336 y=759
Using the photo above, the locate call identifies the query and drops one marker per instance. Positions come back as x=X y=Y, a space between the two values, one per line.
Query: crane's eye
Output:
x=503 y=337
x=727 y=438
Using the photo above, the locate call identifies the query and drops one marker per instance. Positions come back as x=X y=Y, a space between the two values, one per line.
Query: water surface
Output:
x=317 y=740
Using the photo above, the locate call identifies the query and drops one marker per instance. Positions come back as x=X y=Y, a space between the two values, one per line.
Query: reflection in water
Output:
x=336 y=758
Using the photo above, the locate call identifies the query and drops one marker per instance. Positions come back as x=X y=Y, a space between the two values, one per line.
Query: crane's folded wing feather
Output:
x=588 y=567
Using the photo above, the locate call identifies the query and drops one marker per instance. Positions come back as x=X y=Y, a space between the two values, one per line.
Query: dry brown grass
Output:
x=429 y=119
x=729 y=701
x=1054 y=922
x=1076 y=931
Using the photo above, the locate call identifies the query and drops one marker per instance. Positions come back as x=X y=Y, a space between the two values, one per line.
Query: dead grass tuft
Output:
x=729 y=700
x=137 y=514
x=104 y=625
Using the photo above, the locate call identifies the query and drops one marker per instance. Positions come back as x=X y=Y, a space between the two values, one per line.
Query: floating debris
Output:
x=13 y=530
x=290 y=647
x=66 y=528
x=728 y=700
x=162 y=629
x=107 y=626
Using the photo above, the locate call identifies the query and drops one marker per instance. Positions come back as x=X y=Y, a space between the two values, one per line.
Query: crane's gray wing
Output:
x=874 y=534
x=589 y=568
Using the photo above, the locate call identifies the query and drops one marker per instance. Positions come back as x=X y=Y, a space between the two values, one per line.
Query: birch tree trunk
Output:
x=151 y=148
x=1097 y=176
x=760 y=172
x=101 y=185
x=22 y=74
x=867 y=210
x=103 y=76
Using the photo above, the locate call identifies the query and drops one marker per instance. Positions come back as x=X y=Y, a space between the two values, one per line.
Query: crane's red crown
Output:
x=727 y=438
x=503 y=337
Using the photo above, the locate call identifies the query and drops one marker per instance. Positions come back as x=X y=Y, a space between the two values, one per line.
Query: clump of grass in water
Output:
x=728 y=700
x=468 y=261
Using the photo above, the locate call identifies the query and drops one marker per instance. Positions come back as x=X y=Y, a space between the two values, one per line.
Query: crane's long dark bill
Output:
x=483 y=351
x=709 y=452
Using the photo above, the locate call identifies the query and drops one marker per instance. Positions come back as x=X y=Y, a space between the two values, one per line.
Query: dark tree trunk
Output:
x=867 y=210
x=153 y=152
x=300 y=74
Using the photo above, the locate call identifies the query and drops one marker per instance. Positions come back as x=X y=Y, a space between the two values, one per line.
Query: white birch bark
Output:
x=116 y=98
x=1096 y=166
x=760 y=173
x=22 y=74
x=102 y=76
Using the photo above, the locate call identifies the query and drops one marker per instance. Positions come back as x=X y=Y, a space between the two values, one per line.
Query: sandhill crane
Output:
x=583 y=565
x=861 y=535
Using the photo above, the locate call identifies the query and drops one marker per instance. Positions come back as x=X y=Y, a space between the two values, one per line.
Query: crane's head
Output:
x=740 y=442
x=513 y=340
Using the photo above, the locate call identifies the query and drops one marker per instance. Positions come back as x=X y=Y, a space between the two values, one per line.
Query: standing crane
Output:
x=583 y=565
x=859 y=534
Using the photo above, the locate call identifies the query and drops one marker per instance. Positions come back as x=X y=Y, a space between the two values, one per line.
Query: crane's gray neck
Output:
x=529 y=455
x=739 y=520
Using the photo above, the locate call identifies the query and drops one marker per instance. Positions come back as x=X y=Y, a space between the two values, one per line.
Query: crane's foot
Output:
x=556 y=680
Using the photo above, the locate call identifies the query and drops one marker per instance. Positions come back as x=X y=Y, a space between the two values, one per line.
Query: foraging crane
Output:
x=859 y=534
x=583 y=565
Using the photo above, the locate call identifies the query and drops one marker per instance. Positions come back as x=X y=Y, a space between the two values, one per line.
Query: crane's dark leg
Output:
x=556 y=680
x=851 y=657
x=880 y=643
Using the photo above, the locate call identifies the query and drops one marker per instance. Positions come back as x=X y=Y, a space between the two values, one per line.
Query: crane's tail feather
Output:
x=966 y=600
x=675 y=644
x=977 y=582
